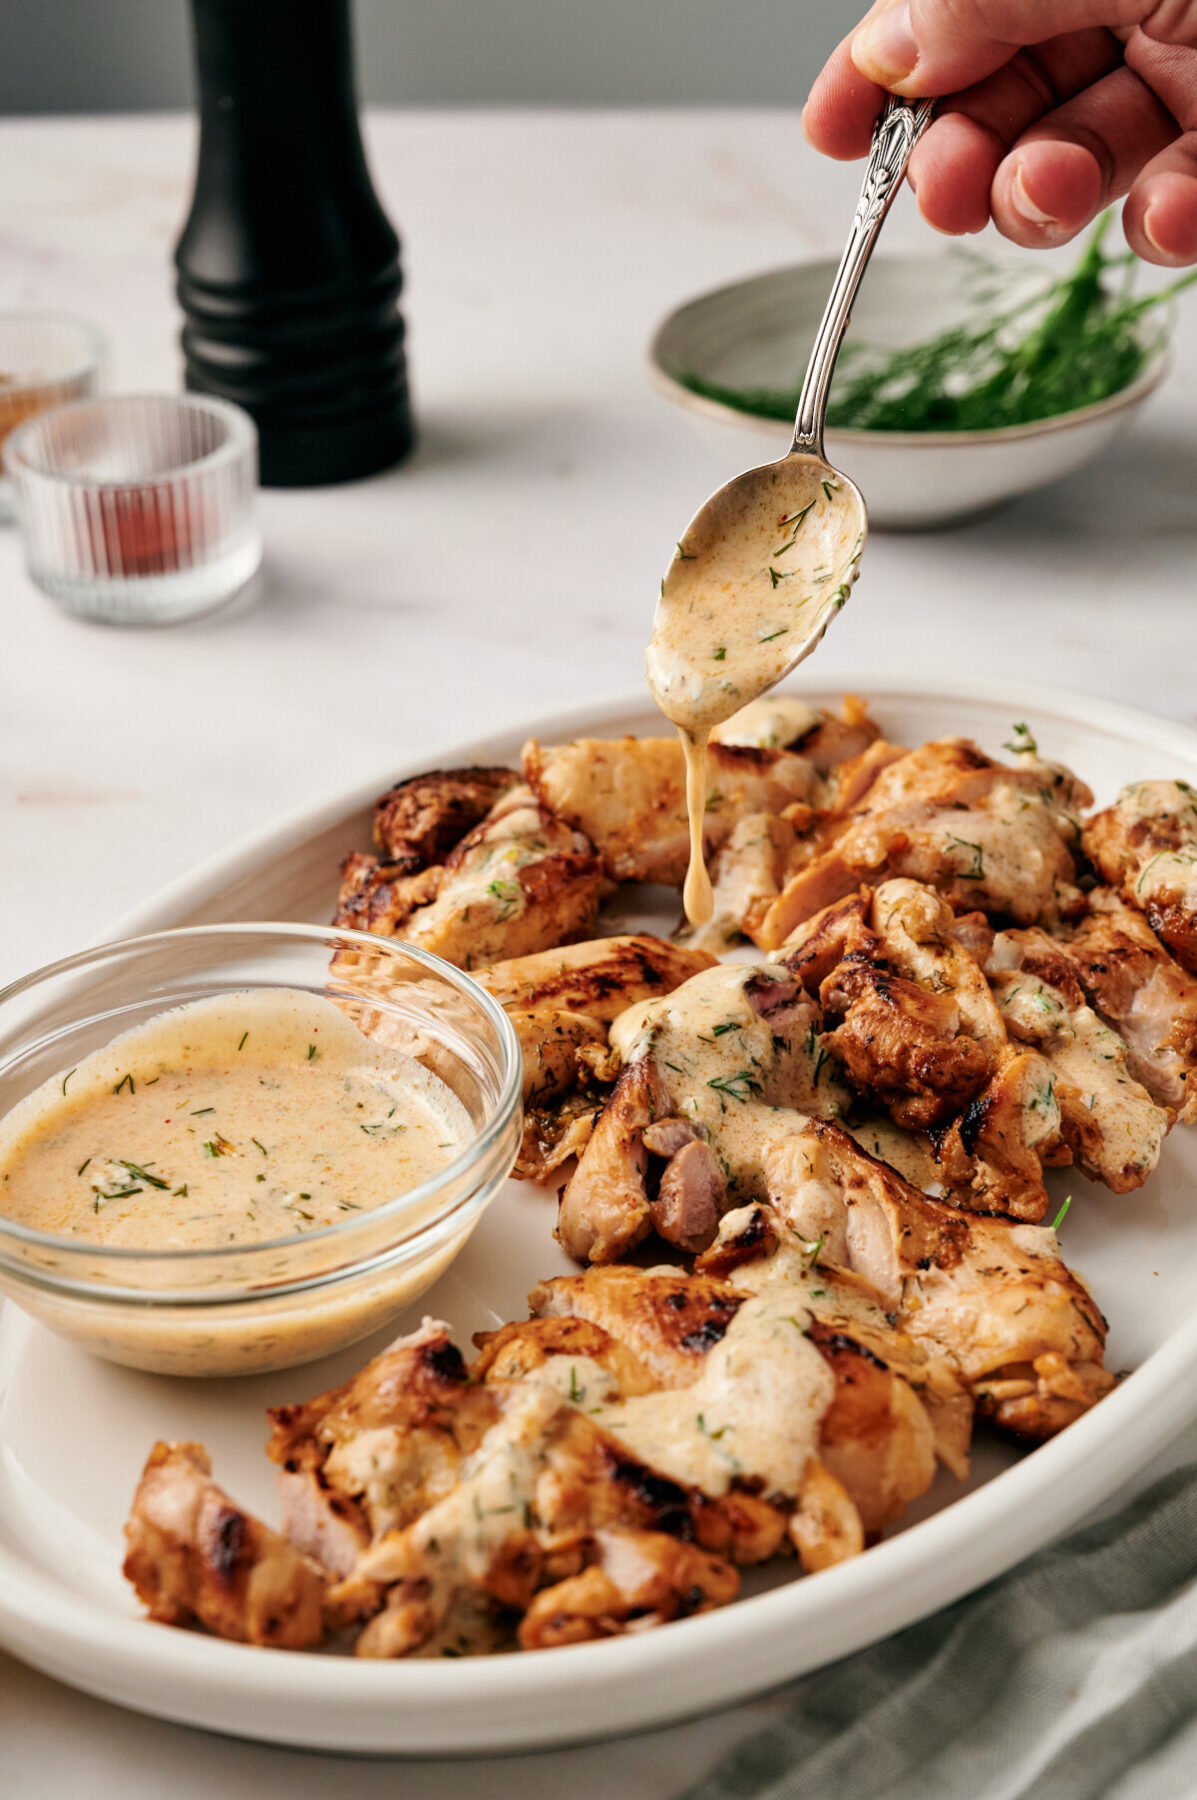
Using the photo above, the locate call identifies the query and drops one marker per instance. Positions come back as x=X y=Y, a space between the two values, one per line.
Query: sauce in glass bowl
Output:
x=237 y=1148
x=238 y=1119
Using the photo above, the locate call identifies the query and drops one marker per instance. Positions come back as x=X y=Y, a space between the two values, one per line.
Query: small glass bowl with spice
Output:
x=140 y=509
x=45 y=360
x=234 y=1148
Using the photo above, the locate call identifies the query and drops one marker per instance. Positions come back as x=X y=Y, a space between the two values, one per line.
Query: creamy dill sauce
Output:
x=761 y=570
x=1164 y=875
x=752 y=1415
x=723 y=1067
x=770 y=723
x=1087 y=1056
x=235 y=1120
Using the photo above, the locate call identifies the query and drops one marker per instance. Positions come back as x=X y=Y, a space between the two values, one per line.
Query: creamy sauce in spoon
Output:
x=761 y=570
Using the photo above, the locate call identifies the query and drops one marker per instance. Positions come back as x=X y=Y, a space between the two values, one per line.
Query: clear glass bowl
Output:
x=45 y=360
x=140 y=509
x=243 y=1309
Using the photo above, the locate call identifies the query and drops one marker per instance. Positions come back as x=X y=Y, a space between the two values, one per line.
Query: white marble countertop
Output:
x=508 y=569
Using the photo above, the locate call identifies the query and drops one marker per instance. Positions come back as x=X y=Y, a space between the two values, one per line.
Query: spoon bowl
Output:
x=755 y=580
x=771 y=557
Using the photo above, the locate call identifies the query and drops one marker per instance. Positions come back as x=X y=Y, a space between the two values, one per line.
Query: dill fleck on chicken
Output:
x=1074 y=341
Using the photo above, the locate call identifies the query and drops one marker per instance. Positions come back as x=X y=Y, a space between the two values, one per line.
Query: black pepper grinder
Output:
x=288 y=267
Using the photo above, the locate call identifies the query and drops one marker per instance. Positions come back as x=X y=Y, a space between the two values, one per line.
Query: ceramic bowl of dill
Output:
x=964 y=381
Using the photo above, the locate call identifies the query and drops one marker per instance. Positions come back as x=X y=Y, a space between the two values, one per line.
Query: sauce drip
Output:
x=760 y=572
x=698 y=896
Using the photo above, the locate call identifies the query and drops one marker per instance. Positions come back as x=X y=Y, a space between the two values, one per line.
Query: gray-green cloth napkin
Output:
x=1073 y=1678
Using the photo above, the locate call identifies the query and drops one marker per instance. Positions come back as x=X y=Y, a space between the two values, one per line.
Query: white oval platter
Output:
x=74 y=1431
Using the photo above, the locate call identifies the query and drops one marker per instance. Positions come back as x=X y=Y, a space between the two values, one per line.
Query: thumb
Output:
x=918 y=47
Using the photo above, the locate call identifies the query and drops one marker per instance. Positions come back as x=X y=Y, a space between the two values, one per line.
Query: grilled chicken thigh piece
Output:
x=995 y=1296
x=636 y=1579
x=196 y=1558
x=921 y=1034
x=1135 y=986
x=382 y=896
x=711 y=1074
x=601 y=977
x=629 y=794
x=875 y=1438
x=416 y=825
x=566 y=998
x=755 y=862
x=917 y=1029
x=561 y=1003
x=785 y=722
x=428 y=815
x=547 y=1498
x=987 y=836
x=747 y=873
x=519 y=882
x=438 y=1500
x=371 y=1455
x=584 y=1458
x=1109 y=1121
x=991 y=1159
x=757 y=1249
x=1146 y=846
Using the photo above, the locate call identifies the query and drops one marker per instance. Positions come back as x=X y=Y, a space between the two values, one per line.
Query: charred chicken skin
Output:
x=195 y=1558
x=1145 y=845
x=1133 y=983
x=518 y=881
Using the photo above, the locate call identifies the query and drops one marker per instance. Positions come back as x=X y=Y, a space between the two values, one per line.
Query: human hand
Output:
x=1051 y=110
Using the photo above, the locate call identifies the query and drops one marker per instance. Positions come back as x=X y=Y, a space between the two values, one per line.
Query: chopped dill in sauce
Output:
x=307 y=1135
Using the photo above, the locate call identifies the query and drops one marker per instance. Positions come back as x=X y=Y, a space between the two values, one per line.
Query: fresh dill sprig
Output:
x=1071 y=342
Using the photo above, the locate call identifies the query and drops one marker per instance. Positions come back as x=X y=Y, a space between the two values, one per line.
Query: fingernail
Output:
x=884 y=48
x=1151 y=237
x=1024 y=206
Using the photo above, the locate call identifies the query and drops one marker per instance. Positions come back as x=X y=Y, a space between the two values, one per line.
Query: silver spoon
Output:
x=764 y=566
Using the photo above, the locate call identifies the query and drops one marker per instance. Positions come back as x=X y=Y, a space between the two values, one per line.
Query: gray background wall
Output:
x=121 y=55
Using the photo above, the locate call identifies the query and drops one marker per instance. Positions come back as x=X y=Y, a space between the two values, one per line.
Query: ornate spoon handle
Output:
x=898 y=130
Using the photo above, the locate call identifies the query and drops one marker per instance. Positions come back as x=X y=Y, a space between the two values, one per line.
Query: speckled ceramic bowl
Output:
x=758 y=333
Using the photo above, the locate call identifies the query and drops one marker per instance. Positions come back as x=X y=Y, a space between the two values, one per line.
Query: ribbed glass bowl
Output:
x=244 y=1309
x=140 y=509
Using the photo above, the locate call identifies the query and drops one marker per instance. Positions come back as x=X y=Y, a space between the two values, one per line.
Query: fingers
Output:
x=1046 y=194
x=952 y=171
x=1168 y=67
x=1078 y=158
x=1047 y=128
x=1160 y=215
x=936 y=46
x=843 y=106
x=953 y=167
